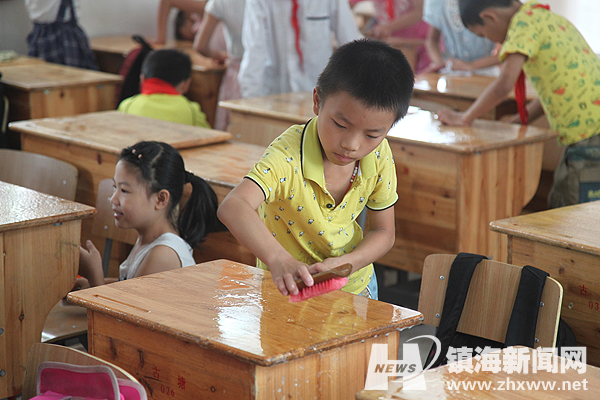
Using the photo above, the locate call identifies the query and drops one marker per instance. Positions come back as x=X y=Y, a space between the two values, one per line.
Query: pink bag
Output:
x=61 y=381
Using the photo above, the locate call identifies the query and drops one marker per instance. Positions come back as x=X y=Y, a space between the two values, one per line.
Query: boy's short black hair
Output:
x=371 y=71
x=169 y=65
x=470 y=9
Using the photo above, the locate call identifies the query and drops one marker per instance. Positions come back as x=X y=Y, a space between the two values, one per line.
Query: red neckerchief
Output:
x=390 y=9
x=157 y=85
x=521 y=91
x=296 y=27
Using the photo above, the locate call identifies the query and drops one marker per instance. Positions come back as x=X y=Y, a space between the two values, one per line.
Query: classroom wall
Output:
x=97 y=17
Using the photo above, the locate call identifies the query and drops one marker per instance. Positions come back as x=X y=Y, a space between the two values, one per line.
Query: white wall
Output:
x=96 y=17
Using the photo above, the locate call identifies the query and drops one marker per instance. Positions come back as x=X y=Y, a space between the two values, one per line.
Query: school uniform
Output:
x=299 y=211
x=279 y=58
x=56 y=37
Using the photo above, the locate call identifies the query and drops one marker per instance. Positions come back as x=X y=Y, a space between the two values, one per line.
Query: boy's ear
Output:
x=184 y=86
x=489 y=15
x=316 y=102
x=162 y=199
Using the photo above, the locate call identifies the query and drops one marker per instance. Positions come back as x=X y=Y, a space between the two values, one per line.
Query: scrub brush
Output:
x=325 y=282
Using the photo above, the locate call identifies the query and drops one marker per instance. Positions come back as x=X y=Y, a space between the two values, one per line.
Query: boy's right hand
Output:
x=285 y=273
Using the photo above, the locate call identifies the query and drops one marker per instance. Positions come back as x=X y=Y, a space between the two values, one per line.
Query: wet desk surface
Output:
x=39 y=241
x=233 y=314
x=459 y=92
x=565 y=243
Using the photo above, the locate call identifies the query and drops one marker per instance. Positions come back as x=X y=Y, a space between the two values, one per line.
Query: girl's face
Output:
x=131 y=205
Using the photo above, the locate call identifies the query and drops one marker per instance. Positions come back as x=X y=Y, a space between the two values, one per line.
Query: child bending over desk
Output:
x=165 y=78
x=464 y=51
x=564 y=71
x=315 y=179
x=148 y=186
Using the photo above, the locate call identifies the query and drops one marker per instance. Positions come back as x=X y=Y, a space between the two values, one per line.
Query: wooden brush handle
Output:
x=337 y=272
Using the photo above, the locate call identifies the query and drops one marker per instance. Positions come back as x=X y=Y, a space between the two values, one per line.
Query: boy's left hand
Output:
x=450 y=117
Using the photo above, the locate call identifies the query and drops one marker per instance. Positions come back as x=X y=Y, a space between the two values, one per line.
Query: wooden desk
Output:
x=565 y=243
x=408 y=46
x=459 y=92
x=94 y=141
x=568 y=385
x=39 y=240
x=10 y=61
x=110 y=52
x=260 y=120
x=43 y=90
x=222 y=330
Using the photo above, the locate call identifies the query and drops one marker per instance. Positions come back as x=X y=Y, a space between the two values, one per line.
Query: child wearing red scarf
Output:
x=165 y=79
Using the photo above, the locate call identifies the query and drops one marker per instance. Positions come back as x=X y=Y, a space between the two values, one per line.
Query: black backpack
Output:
x=523 y=320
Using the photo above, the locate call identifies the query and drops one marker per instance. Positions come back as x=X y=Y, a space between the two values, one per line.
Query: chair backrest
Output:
x=41 y=352
x=104 y=223
x=38 y=172
x=490 y=299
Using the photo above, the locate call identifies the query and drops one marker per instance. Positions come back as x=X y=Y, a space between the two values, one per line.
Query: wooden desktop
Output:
x=39 y=241
x=222 y=329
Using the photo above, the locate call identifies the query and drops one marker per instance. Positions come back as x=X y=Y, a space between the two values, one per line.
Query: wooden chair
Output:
x=104 y=223
x=490 y=299
x=41 y=352
x=38 y=172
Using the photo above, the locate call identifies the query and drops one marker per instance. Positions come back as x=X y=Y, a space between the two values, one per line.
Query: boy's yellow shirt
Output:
x=299 y=211
x=561 y=66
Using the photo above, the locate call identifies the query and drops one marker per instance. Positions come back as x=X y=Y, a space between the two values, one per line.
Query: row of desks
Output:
x=37 y=89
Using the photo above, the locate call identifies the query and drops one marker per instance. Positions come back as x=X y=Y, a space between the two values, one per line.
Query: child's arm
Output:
x=483 y=62
x=90 y=264
x=202 y=39
x=164 y=7
x=376 y=243
x=432 y=45
x=491 y=96
x=160 y=258
x=415 y=15
x=238 y=212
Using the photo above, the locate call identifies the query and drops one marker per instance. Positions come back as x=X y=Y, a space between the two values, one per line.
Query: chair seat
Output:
x=65 y=321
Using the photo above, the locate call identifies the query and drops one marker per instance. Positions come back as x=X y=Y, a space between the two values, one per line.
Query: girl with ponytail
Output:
x=148 y=188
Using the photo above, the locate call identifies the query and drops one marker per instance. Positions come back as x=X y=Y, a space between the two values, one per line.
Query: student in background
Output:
x=287 y=43
x=315 y=179
x=464 y=51
x=564 y=71
x=231 y=14
x=165 y=79
x=56 y=36
x=187 y=22
x=149 y=183
x=401 y=18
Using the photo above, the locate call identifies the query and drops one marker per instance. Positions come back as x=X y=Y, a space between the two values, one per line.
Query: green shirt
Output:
x=300 y=212
x=561 y=66
x=168 y=107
